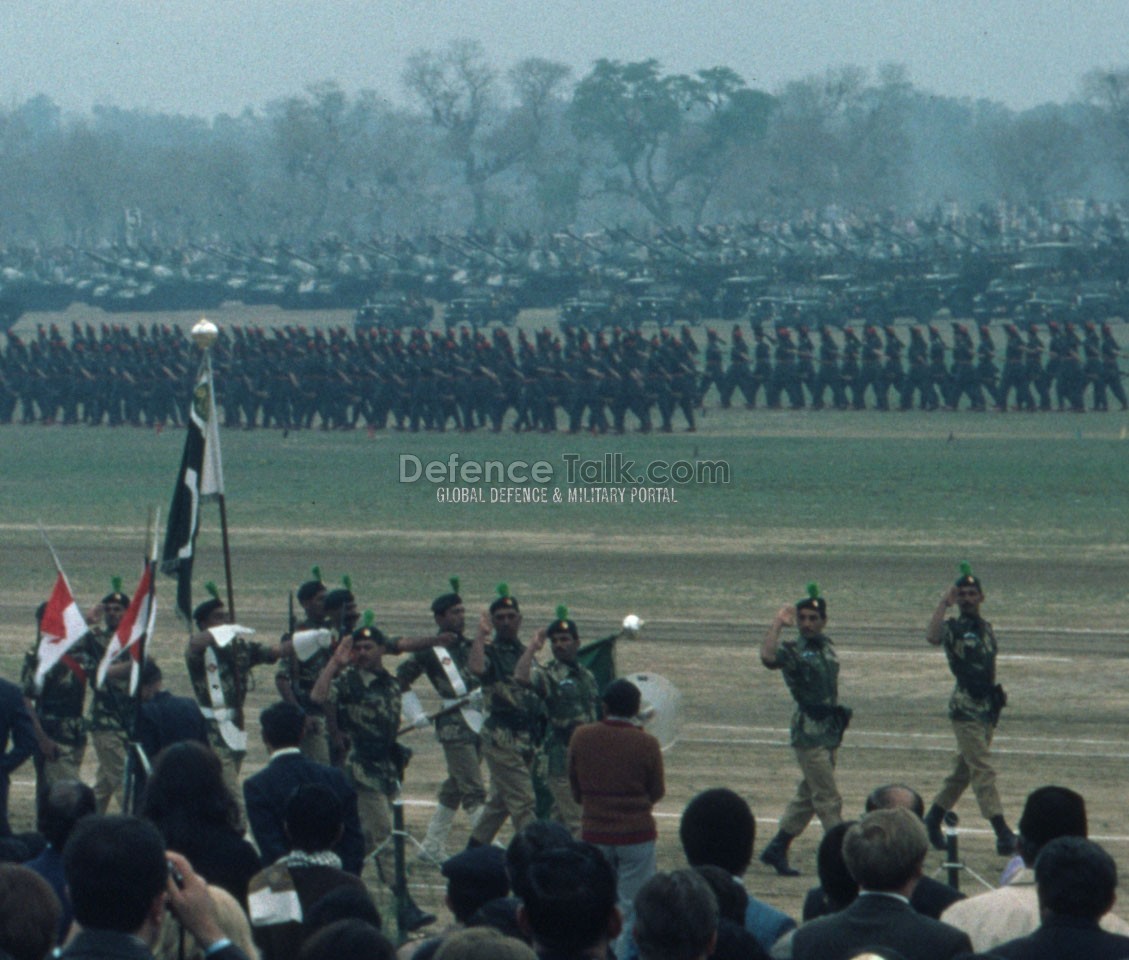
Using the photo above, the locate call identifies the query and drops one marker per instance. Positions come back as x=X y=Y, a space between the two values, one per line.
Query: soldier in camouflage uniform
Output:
x=811 y=671
x=364 y=701
x=221 y=677
x=296 y=676
x=571 y=698
x=111 y=713
x=515 y=719
x=456 y=727
x=974 y=708
x=56 y=707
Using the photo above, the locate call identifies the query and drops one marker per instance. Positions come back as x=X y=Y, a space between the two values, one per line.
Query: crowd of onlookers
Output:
x=133 y=887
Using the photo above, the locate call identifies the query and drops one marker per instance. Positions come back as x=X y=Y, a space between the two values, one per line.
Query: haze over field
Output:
x=207 y=57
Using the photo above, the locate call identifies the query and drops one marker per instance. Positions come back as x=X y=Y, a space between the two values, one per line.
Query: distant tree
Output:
x=550 y=158
x=1108 y=91
x=1035 y=157
x=663 y=140
x=458 y=88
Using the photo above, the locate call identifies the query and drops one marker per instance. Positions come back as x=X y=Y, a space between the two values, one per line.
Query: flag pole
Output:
x=212 y=415
x=204 y=334
x=130 y=792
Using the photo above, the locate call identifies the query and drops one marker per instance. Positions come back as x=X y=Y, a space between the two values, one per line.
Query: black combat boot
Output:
x=1005 y=840
x=933 y=820
x=409 y=916
x=776 y=855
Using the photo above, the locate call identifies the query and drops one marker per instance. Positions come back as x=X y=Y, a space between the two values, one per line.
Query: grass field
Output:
x=878 y=508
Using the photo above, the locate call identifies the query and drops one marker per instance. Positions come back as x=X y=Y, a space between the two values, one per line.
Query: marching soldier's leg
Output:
x=565 y=809
x=315 y=741
x=819 y=772
x=110 y=749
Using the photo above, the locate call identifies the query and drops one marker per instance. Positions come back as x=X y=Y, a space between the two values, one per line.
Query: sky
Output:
x=206 y=57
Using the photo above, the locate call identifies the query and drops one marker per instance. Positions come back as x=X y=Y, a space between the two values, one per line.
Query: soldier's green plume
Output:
x=116 y=584
x=503 y=589
x=562 y=612
x=212 y=589
x=369 y=618
x=454 y=581
x=813 y=590
x=347 y=582
x=315 y=573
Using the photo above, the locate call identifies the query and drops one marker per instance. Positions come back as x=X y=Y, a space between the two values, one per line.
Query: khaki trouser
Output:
x=315 y=741
x=971 y=764
x=816 y=794
x=67 y=766
x=109 y=746
x=464 y=777
x=511 y=785
x=231 y=762
x=565 y=809
x=375 y=812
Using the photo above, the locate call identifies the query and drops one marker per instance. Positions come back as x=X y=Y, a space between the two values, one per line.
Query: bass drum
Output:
x=661 y=707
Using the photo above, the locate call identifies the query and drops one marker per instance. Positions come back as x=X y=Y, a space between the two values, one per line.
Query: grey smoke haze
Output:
x=206 y=57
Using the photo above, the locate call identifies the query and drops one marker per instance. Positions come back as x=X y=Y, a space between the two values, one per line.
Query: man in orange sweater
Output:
x=615 y=769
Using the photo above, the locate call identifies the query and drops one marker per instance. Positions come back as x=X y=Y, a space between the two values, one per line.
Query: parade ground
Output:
x=877 y=508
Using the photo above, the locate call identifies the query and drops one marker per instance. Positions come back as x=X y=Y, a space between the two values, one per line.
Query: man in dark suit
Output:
x=267 y=792
x=930 y=897
x=17 y=743
x=165 y=719
x=884 y=852
x=1076 y=880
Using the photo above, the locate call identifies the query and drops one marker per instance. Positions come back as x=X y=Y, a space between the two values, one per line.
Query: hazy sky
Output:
x=218 y=56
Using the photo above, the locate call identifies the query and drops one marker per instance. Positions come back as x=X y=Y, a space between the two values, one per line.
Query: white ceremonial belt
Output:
x=472 y=717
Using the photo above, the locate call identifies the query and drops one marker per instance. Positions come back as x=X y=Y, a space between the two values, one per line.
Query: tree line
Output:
x=534 y=148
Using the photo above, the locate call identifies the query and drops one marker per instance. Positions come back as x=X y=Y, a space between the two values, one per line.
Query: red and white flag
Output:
x=135 y=626
x=62 y=624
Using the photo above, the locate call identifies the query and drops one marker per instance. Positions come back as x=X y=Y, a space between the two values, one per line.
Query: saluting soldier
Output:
x=310 y=649
x=110 y=707
x=363 y=699
x=571 y=698
x=456 y=726
x=220 y=658
x=515 y=718
x=974 y=708
x=811 y=671
x=55 y=702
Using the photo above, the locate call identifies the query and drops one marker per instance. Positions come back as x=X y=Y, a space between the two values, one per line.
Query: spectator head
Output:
x=348 y=938
x=29 y=913
x=718 y=828
x=343 y=903
x=676 y=917
x=527 y=843
x=501 y=914
x=885 y=850
x=732 y=900
x=67 y=802
x=151 y=678
x=314 y=819
x=282 y=725
x=116 y=873
x=1075 y=878
x=838 y=886
x=895 y=795
x=568 y=905
x=483 y=943
x=186 y=789
x=621 y=699
x=474 y=878
x=1050 y=812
